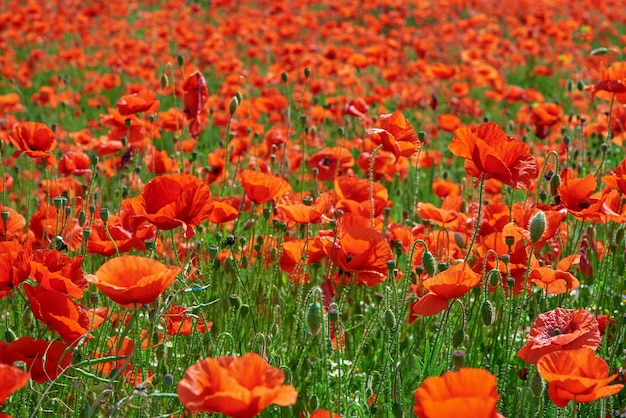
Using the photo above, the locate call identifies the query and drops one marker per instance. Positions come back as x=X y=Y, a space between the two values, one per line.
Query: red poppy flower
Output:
x=577 y=196
x=179 y=321
x=12 y=379
x=468 y=392
x=54 y=270
x=44 y=360
x=69 y=319
x=263 y=187
x=617 y=177
x=132 y=281
x=34 y=139
x=239 y=387
x=194 y=100
x=173 y=200
x=560 y=329
x=300 y=213
x=75 y=163
x=362 y=251
x=491 y=152
x=142 y=101
x=291 y=257
x=358 y=108
x=13 y=228
x=449 y=284
x=612 y=82
x=353 y=195
x=331 y=162
x=396 y=135
x=576 y=375
x=559 y=280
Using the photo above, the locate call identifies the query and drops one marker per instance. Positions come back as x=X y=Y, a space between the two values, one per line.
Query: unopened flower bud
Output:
x=314 y=318
x=537 y=226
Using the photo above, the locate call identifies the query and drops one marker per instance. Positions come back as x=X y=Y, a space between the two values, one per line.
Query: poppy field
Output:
x=316 y=209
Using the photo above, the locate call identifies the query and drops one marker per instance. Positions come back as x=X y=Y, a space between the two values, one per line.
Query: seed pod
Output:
x=486 y=312
x=396 y=410
x=314 y=318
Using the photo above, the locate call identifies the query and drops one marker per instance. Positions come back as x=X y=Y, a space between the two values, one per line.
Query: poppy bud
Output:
x=458 y=337
x=580 y=86
x=5 y=216
x=314 y=402
x=181 y=60
x=396 y=410
x=9 y=335
x=555 y=182
x=341 y=131
x=619 y=236
x=458 y=358
x=537 y=226
x=82 y=218
x=421 y=135
x=164 y=81
x=428 y=260
x=458 y=240
x=494 y=276
x=87 y=234
x=505 y=258
x=390 y=319
x=27 y=319
x=536 y=385
x=160 y=352
x=93 y=298
x=510 y=282
x=57 y=201
x=333 y=312
x=244 y=310
x=314 y=318
x=486 y=312
x=307 y=72
x=168 y=379
x=234 y=103
x=128 y=122
x=284 y=77
x=239 y=97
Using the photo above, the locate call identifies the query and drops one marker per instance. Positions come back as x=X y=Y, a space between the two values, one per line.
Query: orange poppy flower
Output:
x=331 y=162
x=363 y=251
x=173 y=200
x=179 y=321
x=12 y=379
x=449 y=284
x=132 y=375
x=132 y=280
x=617 y=177
x=291 y=257
x=54 y=270
x=263 y=187
x=69 y=319
x=577 y=196
x=490 y=151
x=576 y=375
x=468 y=392
x=44 y=360
x=560 y=329
x=449 y=122
x=353 y=195
x=559 y=280
x=612 y=82
x=195 y=98
x=545 y=115
x=396 y=135
x=13 y=228
x=358 y=108
x=75 y=163
x=142 y=101
x=239 y=387
x=34 y=139
x=300 y=213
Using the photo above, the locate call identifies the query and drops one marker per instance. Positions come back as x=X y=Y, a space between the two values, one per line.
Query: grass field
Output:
x=312 y=209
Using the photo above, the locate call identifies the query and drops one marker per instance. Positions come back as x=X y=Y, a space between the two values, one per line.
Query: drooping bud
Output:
x=430 y=265
x=390 y=319
x=486 y=312
x=536 y=385
x=234 y=104
x=555 y=182
x=458 y=337
x=314 y=318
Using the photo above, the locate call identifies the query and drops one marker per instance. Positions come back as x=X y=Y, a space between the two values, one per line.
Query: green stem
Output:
x=477 y=226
